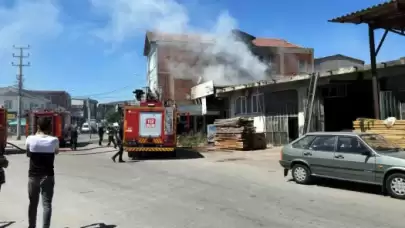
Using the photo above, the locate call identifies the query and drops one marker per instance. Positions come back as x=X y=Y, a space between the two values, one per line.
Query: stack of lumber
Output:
x=234 y=134
x=395 y=133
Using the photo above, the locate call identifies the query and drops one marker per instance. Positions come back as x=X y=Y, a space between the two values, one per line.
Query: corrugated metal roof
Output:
x=383 y=11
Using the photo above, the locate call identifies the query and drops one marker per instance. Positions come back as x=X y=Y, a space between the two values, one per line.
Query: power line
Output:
x=104 y=93
x=20 y=75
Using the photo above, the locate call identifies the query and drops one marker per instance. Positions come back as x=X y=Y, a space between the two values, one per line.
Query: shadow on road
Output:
x=6 y=224
x=181 y=154
x=347 y=185
x=99 y=225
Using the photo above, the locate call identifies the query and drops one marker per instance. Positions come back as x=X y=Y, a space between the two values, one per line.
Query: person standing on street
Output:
x=100 y=133
x=74 y=134
x=111 y=133
x=3 y=165
x=41 y=149
x=120 y=142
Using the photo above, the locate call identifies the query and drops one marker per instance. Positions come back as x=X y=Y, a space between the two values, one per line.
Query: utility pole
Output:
x=89 y=115
x=20 y=75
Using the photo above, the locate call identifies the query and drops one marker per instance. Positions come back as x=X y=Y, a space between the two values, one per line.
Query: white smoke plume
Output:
x=226 y=60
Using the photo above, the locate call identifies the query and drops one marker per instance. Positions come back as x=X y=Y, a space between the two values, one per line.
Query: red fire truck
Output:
x=60 y=119
x=149 y=127
x=3 y=129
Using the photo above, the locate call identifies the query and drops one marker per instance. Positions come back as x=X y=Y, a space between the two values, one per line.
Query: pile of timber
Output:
x=395 y=133
x=237 y=134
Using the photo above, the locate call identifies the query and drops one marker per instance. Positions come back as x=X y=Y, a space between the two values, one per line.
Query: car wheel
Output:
x=396 y=185
x=301 y=174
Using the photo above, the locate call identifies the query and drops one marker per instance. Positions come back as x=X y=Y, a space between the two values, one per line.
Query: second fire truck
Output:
x=60 y=120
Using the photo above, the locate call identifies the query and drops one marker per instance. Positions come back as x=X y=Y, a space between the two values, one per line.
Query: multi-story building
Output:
x=59 y=99
x=9 y=98
x=162 y=49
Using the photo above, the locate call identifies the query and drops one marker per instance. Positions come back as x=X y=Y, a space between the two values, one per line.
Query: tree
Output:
x=112 y=116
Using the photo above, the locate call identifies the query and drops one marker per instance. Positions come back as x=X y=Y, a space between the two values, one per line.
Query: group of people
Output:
x=115 y=136
x=41 y=150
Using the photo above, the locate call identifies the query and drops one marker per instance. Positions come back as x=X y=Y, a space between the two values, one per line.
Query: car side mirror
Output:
x=366 y=153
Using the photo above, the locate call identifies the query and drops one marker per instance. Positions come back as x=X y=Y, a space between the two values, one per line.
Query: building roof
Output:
x=325 y=74
x=338 y=56
x=272 y=42
x=12 y=91
x=207 y=39
x=388 y=15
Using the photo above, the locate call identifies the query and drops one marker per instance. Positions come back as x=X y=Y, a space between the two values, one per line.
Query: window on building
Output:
x=32 y=106
x=257 y=103
x=241 y=105
x=302 y=66
x=8 y=104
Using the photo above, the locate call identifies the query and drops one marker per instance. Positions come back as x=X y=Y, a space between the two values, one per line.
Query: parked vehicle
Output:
x=85 y=128
x=349 y=156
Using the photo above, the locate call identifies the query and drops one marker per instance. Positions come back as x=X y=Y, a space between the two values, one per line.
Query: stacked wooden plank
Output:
x=234 y=134
x=394 y=133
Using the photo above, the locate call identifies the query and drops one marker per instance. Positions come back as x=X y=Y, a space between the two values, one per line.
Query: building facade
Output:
x=80 y=109
x=9 y=99
x=59 y=99
x=335 y=62
x=162 y=50
x=343 y=95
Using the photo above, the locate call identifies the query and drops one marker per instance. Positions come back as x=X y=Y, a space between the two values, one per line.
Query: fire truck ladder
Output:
x=313 y=83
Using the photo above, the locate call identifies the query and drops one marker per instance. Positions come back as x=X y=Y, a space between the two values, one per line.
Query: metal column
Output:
x=374 y=77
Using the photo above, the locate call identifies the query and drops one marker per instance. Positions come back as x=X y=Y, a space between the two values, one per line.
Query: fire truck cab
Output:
x=61 y=121
x=3 y=130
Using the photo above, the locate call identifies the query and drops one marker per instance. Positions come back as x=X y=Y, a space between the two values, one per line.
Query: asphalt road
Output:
x=192 y=193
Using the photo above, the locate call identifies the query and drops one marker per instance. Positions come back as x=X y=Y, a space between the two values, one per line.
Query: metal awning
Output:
x=388 y=15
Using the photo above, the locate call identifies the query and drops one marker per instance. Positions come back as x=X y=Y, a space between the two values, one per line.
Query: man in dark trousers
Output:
x=41 y=149
x=74 y=134
x=3 y=165
x=111 y=134
x=100 y=134
x=120 y=141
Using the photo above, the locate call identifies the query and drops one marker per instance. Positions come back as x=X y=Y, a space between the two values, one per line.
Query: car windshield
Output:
x=380 y=143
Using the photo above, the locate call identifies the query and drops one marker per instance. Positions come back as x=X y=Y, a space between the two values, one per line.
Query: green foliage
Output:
x=192 y=140
x=112 y=116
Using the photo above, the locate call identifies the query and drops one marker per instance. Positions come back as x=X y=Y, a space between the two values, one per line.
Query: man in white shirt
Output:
x=41 y=149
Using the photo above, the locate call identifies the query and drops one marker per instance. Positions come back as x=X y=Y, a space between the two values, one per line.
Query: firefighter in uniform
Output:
x=120 y=140
x=111 y=134
x=100 y=133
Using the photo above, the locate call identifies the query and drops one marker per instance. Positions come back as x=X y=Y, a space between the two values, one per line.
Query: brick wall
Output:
x=176 y=87
x=291 y=63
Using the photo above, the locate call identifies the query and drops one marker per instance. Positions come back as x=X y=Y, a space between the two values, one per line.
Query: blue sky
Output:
x=95 y=47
